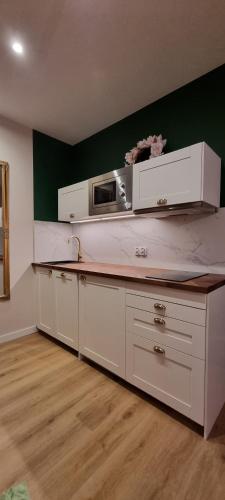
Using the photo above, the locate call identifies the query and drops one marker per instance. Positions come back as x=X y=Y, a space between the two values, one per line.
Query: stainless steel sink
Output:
x=61 y=262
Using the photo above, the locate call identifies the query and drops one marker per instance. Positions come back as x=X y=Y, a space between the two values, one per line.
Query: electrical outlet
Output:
x=141 y=251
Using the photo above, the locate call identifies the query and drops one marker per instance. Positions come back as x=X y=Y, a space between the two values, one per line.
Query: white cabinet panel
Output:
x=73 y=202
x=172 y=377
x=57 y=305
x=45 y=301
x=102 y=322
x=179 y=335
x=66 y=308
x=188 y=175
x=166 y=308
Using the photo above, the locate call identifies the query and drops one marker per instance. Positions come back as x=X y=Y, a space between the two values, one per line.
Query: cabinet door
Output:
x=169 y=179
x=169 y=375
x=102 y=322
x=73 y=202
x=45 y=301
x=66 y=307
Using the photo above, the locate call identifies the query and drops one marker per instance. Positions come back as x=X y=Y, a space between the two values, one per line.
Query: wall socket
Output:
x=141 y=251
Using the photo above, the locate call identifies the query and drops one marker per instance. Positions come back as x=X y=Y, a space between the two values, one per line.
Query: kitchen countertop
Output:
x=203 y=284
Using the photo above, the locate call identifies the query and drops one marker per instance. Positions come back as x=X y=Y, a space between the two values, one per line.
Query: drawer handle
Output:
x=159 y=321
x=162 y=201
x=72 y=216
x=160 y=307
x=82 y=277
x=159 y=350
x=50 y=272
x=62 y=275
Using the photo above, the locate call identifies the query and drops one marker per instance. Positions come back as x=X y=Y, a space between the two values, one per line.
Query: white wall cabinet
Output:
x=57 y=305
x=73 y=202
x=188 y=175
x=102 y=322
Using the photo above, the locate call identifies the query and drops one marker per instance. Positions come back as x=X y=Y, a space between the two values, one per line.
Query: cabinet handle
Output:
x=72 y=216
x=82 y=277
x=158 y=349
x=50 y=272
x=160 y=307
x=162 y=201
x=159 y=321
x=62 y=275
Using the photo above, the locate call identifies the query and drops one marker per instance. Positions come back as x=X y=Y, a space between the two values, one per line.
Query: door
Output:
x=169 y=179
x=171 y=376
x=102 y=322
x=66 y=307
x=45 y=302
x=73 y=202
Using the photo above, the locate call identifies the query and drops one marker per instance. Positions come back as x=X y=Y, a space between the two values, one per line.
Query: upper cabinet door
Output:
x=188 y=175
x=73 y=202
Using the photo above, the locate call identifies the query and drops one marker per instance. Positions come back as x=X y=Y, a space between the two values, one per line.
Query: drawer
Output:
x=174 y=378
x=167 y=308
x=180 y=335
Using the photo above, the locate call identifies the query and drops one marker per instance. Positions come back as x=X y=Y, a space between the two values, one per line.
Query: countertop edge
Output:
x=136 y=279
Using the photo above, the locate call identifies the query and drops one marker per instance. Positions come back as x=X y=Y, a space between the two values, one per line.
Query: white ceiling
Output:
x=89 y=63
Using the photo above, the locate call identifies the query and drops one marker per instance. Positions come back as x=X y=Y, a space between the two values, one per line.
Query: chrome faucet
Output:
x=79 y=256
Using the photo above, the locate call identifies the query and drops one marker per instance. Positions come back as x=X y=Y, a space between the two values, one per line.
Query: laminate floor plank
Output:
x=74 y=433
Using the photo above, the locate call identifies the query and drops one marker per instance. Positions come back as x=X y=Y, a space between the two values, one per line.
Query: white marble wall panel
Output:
x=178 y=242
x=51 y=241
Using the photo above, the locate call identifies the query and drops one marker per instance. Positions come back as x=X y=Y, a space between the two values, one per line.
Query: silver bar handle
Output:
x=159 y=350
x=159 y=321
x=160 y=307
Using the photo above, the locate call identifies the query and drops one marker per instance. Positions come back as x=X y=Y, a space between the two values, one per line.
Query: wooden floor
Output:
x=72 y=432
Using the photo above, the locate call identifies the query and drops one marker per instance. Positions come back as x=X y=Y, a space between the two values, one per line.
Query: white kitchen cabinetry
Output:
x=45 y=300
x=73 y=202
x=57 y=305
x=165 y=349
x=102 y=322
x=185 y=176
x=66 y=307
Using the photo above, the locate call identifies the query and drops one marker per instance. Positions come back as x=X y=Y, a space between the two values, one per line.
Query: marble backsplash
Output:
x=51 y=241
x=179 y=242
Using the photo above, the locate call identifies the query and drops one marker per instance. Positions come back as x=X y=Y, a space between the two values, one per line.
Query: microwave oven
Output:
x=111 y=192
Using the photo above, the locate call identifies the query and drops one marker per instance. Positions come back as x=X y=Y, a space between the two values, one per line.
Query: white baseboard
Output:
x=17 y=334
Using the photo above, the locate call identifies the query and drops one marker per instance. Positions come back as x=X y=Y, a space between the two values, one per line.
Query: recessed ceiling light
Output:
x=17 y=47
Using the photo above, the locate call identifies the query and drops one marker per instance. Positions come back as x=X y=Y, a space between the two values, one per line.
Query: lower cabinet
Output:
x=57 y=305
x=45 y=300
x=66 y=307
x=173 y=377
x=102 y=322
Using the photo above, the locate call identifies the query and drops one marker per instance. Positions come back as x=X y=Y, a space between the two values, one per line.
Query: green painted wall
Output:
x=194 y=113
x=52 y=161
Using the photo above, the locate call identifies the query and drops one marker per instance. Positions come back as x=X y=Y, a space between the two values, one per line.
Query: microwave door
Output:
x=105 y=194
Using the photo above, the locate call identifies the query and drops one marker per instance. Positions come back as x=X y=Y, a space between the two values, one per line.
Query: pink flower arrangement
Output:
x=153 y=142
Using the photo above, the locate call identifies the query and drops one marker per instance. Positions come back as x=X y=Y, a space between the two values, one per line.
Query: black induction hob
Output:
x=170 y=275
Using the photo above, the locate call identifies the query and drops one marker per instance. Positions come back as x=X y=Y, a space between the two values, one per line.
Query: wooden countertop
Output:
x=203 y=284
